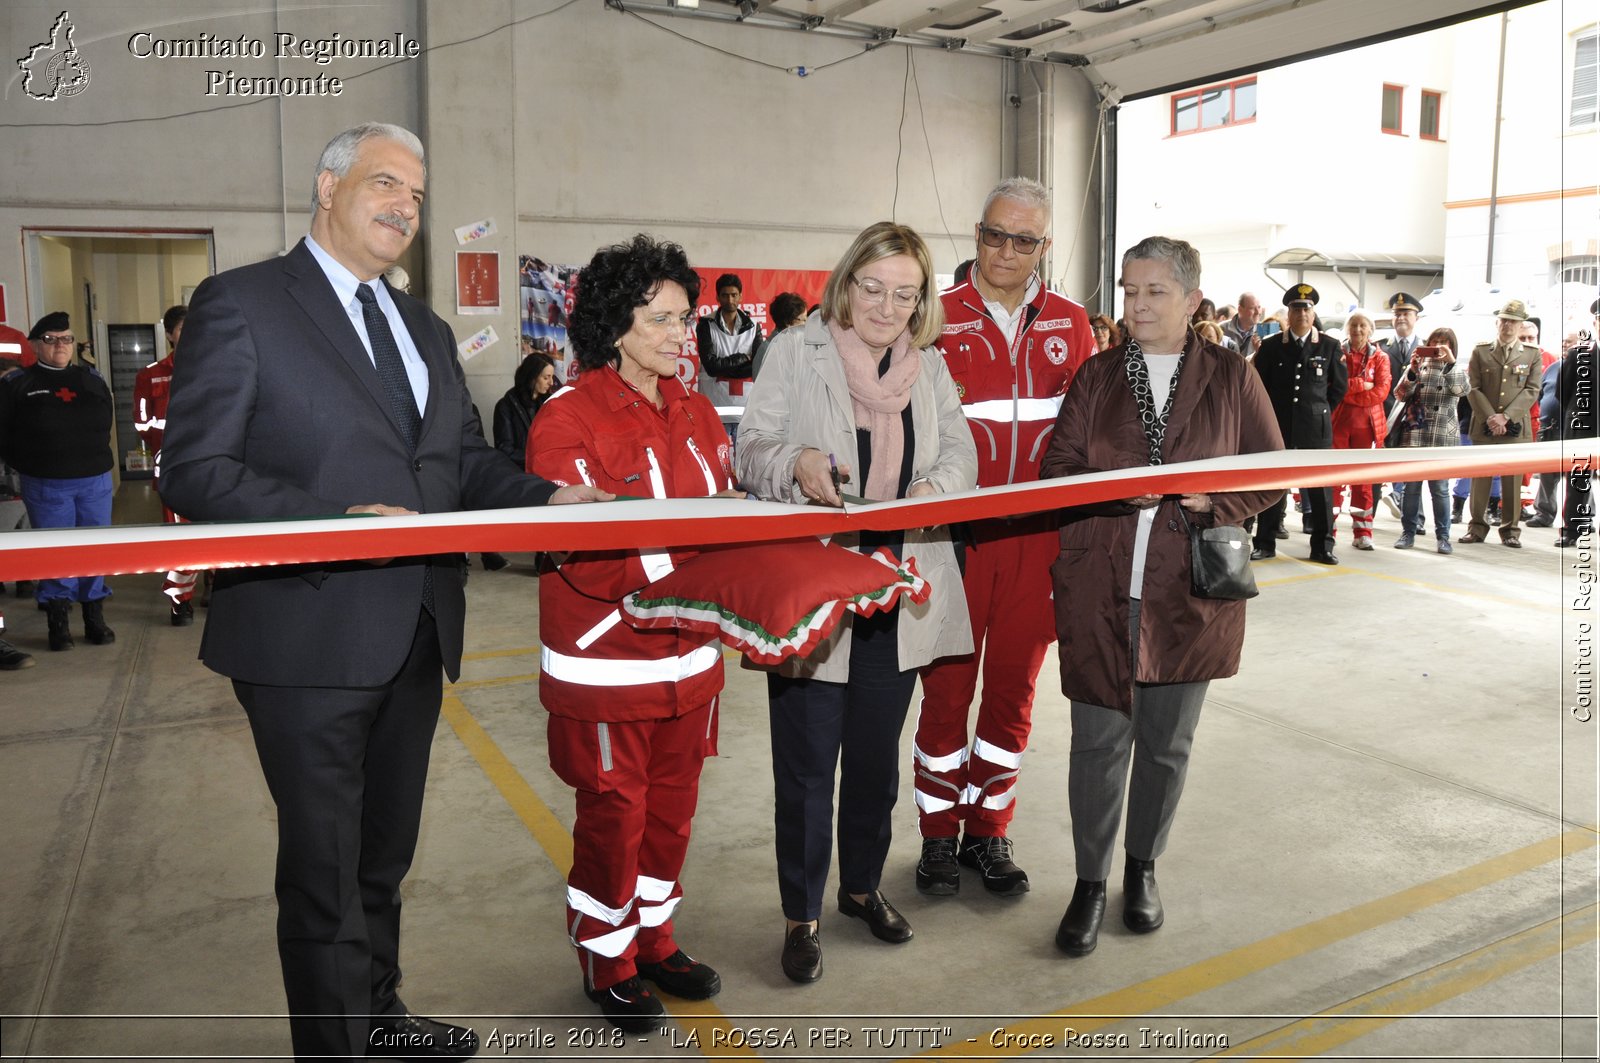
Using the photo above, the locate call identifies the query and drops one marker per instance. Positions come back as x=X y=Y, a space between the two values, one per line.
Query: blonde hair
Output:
x=881 y=240
x=1209 y=332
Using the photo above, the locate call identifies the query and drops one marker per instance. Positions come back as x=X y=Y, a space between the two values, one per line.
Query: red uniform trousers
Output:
x=637 y=784
x=1007 y=582
x=1354 y=430
x=179 y=583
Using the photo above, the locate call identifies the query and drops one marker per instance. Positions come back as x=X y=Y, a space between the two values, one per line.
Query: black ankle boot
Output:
x=94 y=625
x=1141 y=901
x=58 y=614
x=1079 y=932
x=1456 y=505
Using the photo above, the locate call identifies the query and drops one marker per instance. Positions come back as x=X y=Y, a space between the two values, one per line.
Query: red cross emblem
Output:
x=66 y=394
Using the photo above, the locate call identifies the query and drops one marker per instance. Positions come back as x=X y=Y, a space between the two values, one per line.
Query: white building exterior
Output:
x=1317 y=168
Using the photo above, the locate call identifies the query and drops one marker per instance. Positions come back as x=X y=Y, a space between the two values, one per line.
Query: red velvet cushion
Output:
x=774 y=600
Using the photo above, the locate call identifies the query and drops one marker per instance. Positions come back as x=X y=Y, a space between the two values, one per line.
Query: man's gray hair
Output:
x=1023 y=190
x=1179 y=255
x=340 y=154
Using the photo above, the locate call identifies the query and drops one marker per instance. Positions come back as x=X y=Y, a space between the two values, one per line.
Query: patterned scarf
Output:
x=1154 y=421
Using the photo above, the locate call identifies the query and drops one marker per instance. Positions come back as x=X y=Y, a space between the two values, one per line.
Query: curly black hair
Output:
x=617 y=279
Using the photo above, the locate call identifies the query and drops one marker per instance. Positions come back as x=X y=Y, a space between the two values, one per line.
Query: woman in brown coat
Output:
x=1137 y=649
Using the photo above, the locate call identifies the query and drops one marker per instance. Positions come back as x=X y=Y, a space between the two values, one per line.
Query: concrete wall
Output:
x=569 y=129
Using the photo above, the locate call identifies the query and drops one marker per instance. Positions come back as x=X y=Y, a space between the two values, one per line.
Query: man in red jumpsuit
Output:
x=1012 y=346
x=150 y=390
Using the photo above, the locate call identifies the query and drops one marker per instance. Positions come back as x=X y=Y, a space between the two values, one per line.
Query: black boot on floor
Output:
x=1456 y=505
x=1141 y=900
x=58 y=614
x=94 y=625
x=1079 y=932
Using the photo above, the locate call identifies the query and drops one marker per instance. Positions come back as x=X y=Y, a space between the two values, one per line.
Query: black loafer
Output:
x=1263 y=555
x=629 y=1006
x=1079 y=932
x=1141 y=900
x=885 y=923
x=802 y=954
x=683 y=976
x=408 y=1036
x=1324 y=558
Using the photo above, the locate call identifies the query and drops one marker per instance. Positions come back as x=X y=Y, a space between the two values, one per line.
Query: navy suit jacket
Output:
x=278 y=412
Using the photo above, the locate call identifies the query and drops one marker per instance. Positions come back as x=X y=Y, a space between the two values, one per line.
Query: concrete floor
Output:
x=1387 y=850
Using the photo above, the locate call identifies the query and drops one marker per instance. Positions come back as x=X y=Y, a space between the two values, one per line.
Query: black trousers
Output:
x=854 y=727
x=1319 y=508
x=346 y=767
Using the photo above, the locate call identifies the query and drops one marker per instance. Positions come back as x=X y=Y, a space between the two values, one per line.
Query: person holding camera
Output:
x=1429 y=387
x=1504 y=378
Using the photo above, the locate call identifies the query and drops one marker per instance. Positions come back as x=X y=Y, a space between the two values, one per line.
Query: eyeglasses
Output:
x=876 y=291
x=64 y=340
x=665 y=322
x=1024 y=245
x=1103 y=328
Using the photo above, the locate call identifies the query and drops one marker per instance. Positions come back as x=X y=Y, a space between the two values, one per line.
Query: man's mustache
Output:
x=395 y=220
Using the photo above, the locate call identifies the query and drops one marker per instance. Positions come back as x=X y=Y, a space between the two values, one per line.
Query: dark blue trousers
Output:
x=852 y=728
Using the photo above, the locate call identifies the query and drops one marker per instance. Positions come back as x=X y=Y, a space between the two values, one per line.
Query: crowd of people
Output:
x=889 y=389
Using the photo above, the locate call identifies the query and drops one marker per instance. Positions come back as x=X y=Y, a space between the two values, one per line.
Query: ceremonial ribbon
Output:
x=656 y=523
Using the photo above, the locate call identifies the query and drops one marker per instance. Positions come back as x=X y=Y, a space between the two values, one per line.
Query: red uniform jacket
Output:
x=150 y=391
x=1369 y=386
x=601 y=431
x=1011 y=392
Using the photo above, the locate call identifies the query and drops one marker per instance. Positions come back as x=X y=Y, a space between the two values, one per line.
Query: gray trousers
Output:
x=1158 y=736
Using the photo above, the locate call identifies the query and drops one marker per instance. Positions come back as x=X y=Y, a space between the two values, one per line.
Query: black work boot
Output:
x=58 y=614
x=94 y=625
x=1079 y=932
x=1141 y=900
x=1456 y=505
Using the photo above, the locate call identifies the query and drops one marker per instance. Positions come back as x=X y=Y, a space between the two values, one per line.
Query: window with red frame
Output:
x=1393 y=96
x=1428 y=125
x=1214 y=107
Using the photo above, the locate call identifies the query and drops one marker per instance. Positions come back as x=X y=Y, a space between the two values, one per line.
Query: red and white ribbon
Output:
x=653 y=523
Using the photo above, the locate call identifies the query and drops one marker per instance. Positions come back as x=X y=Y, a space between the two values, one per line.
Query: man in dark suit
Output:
x=1304 y=374
x=310 y=388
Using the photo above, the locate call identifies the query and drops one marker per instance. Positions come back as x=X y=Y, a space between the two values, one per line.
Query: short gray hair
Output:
x=340 y=154
x=1023 y=190
x=1179 y=255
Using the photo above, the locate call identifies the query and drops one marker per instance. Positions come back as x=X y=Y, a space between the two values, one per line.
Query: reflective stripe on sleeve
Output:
x=598 y=672
x=1026 y=409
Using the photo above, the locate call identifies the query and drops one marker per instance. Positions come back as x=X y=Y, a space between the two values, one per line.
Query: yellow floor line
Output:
x=1319 y=572
x=1328 y=1030
x=486 y=655
x=1154 y=994
x=707 y=1022
x=497 y=681
x=534 y=813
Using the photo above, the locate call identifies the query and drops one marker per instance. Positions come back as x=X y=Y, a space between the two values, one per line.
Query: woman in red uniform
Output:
x=632 y=713
x=1358 y=420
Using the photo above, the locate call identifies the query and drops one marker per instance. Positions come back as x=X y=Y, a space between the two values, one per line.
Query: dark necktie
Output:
x=402 y=400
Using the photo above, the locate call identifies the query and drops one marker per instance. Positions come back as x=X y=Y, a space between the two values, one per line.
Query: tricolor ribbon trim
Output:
x=658 y=523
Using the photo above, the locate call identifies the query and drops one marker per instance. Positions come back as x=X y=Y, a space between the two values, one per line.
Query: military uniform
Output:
x=1305 y=379
x=1505 y=380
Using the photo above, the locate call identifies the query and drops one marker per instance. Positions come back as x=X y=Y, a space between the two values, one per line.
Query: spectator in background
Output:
x=1405 y=309
x=1429 y=386
x=1241 y=327
x=1106 y=333
x=726 y=341
x=1212 y=334
x=535 y=381
x=1358 y=421
x=1576 y=386
x=1544 y=502
x=55 y=430
x=1206 y=311
x=13 y=515
x=1505 y=380
x=786 y=311
x=151 y=389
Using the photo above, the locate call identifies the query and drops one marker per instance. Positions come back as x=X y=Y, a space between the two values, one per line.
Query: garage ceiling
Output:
x=1131 y=47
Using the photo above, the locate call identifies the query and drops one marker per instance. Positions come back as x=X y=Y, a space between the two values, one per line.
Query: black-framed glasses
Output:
x=65 y=339
x=1024 y=245
x=875 y=291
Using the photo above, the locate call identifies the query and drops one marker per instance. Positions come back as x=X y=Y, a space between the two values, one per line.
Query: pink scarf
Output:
x=878 y=402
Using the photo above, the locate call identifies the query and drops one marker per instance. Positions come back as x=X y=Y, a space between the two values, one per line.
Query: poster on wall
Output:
x=545 y=294
x=477 y=282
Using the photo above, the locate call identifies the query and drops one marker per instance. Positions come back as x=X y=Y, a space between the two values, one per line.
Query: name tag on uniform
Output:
x=1319 y=370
